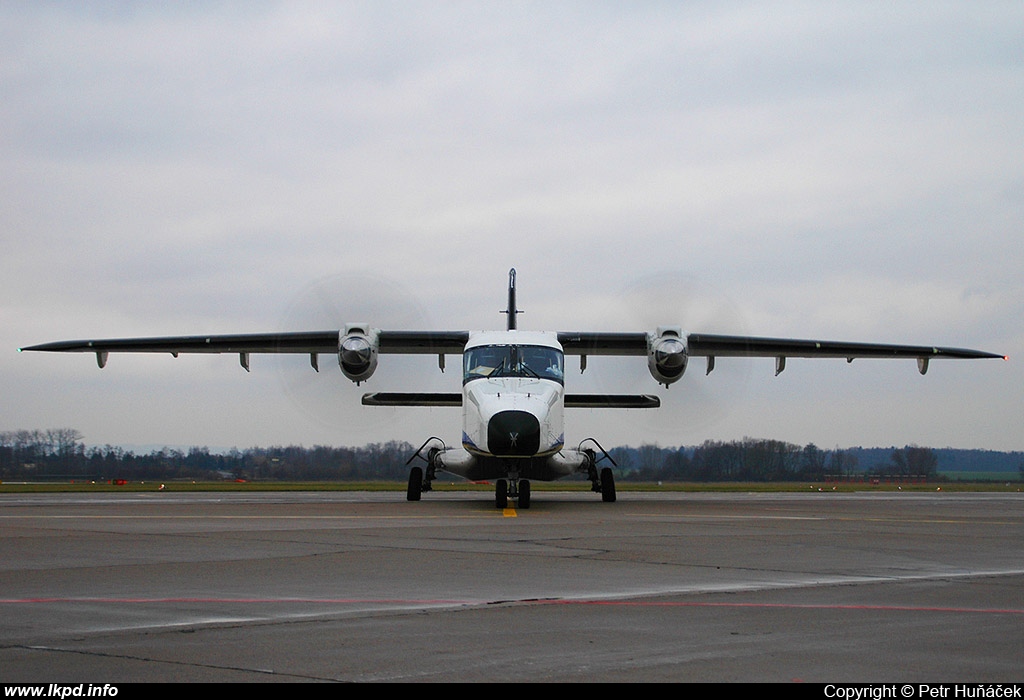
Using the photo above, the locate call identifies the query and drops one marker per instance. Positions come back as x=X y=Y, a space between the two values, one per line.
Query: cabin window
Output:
x=491 y=361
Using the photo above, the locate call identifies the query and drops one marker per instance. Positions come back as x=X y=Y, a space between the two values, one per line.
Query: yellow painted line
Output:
x=509 y=513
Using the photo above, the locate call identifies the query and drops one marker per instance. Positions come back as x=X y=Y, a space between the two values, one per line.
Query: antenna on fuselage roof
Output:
x=512 y=311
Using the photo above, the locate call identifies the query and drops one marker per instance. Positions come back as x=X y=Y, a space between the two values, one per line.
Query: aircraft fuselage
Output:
x=513 y=402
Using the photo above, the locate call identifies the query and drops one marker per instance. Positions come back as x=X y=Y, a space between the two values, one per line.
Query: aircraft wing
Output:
x=705 y=345
x=712 y=346
x=443 y=343
x=312 y=343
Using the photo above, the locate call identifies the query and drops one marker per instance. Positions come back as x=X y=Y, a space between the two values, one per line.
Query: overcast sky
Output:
x=850 y=171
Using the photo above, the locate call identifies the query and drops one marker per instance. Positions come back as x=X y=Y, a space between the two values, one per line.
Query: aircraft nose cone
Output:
x=515 y=433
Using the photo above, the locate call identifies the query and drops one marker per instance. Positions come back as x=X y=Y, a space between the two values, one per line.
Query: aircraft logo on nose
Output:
x=513 y=438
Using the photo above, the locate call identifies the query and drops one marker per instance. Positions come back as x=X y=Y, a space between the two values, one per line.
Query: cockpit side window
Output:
x=492 y=361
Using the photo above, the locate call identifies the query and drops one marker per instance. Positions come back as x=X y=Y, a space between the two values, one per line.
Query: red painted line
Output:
x=264 y=601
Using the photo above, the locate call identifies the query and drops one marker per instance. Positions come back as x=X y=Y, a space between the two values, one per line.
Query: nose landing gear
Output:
x=515 y=488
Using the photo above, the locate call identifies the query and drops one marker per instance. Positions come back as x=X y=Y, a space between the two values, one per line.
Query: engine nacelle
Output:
x=667 y=355
x=357 y=351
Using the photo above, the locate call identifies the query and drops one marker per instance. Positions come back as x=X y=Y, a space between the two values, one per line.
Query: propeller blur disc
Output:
x=327 y=396
x=698 y=402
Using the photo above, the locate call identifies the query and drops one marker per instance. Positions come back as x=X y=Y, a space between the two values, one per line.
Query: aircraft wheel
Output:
x=415 y=484
x=501 y=494
x=524 y=493
x=607 y=485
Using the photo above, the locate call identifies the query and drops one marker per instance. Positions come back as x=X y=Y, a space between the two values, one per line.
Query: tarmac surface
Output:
x=366 y=587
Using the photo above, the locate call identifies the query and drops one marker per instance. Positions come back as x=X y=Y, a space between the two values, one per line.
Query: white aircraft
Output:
x=513 y=385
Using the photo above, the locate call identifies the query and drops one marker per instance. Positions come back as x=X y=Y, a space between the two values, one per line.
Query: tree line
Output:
x=755 y=459
x=59 y=454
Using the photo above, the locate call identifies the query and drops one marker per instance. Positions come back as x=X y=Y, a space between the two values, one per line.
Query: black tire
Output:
x=607 y=485
x=415 y=484
x=501 y=494
x=524 y=493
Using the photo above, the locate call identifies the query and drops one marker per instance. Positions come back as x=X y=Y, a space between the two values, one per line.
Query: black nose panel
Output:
x=514 y=433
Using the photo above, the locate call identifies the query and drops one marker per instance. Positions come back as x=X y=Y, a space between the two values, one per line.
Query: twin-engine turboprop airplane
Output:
x=513 y=385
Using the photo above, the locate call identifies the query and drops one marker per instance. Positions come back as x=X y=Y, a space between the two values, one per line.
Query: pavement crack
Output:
x=186 y=664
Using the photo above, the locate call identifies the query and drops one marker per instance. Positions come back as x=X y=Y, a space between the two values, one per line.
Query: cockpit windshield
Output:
x=491 y=361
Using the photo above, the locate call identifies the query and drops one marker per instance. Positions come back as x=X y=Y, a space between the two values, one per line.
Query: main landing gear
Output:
x=512 y=487
x=419 y=481
x=603 y=481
